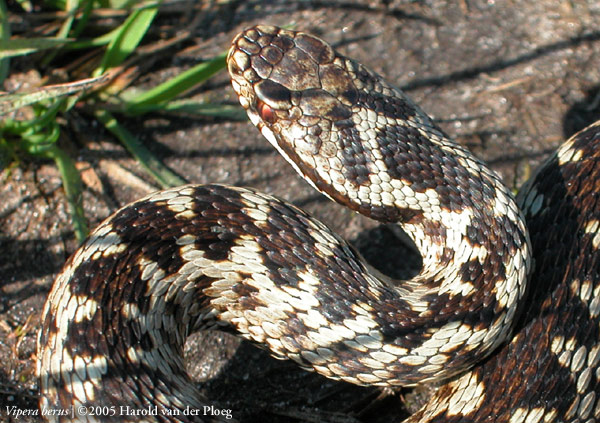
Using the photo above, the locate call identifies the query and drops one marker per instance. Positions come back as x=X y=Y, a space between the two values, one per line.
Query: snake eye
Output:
x=271 y=96
x=265 y=112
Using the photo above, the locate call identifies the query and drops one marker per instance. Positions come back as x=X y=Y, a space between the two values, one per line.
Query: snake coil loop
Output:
x=209 y=256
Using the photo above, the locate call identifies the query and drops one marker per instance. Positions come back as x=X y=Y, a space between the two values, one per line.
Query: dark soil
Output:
x=508 y=79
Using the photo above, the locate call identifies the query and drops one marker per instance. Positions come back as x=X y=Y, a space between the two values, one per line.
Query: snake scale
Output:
x=510 y=325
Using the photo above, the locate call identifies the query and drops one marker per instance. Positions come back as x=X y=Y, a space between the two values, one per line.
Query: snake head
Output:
x=298 y=92
x=350 y=134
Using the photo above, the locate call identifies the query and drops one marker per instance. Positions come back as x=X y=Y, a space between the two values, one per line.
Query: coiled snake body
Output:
x=198 y=257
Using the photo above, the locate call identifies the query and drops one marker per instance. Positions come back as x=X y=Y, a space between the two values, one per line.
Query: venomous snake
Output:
x=511 y=324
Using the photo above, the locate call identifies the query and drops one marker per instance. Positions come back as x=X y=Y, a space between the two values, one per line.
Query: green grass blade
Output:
x=87 y=8
x=128 y=37
x=222 y=111
x=159 y=171
x=179 y=84
x=23 y=46
x=7 y=154
x=25 y=5
x=70 y=7
x=42 y=141
x=120 y=4
x=4 y=36
x=56 y=4
x=101 y=40
x=73 y=189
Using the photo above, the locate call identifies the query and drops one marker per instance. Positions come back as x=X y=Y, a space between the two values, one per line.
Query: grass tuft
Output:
x=30 y=121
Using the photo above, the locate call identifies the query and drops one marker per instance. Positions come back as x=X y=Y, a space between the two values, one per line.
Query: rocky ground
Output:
x=508 y=79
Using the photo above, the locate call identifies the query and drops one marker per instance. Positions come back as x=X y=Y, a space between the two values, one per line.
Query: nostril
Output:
x=237 y=61
x=233 y=68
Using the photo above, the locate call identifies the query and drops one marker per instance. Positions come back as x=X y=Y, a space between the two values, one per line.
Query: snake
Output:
x=503 y=314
